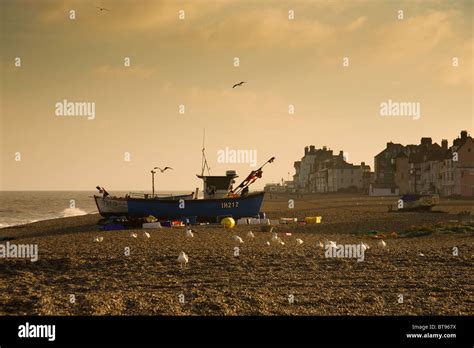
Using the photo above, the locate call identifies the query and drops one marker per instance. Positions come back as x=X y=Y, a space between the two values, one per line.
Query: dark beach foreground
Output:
x=76 y=276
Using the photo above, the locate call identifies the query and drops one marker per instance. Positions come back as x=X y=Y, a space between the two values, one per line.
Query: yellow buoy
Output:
x=228 y=222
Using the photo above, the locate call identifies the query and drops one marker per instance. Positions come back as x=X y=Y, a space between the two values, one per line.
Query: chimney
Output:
x=312 y=149
x=306 y=149
x=463 y=134
x=426 y=141
x=389 y=145
x=362 y=164
x=341 y=154
x=444 y=144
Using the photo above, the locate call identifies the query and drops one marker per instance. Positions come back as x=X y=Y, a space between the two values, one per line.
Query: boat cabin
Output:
x=218 y=186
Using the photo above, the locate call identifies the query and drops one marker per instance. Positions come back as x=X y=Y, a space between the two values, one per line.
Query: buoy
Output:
x=228 y=222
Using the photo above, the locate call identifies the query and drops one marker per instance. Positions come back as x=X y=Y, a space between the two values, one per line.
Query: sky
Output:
x=293 y=55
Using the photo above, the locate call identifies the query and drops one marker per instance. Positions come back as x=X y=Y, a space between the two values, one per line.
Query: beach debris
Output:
x=238 y=239
x=133 y=235
x=420 y=254
x=250 y=234
x=146 y=235
x=382 y=243
x=150 y=218
x=98 y=239
x=183 y=259
x=151 y=225
x=228 y=222
x=189 y=233
x=299 y=241
x=313 y=219
x=243 y=221
x=286 y=221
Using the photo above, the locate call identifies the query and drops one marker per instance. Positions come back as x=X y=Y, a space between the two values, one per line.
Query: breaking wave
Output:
x=72 y=212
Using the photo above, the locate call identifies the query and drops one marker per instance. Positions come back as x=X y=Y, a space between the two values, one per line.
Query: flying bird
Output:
x=133 y=235
x=146 y=235
x=321 y=245
x=239 y=84
x=103 y=9
x=364 y=246
x=183 y=259
x=267 y=243
x=382 y=244
x=250 y=234
x=98 y=239
x=299 y=241
x=162 y=170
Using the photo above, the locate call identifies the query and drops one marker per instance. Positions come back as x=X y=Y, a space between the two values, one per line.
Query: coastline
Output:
x=258 y=282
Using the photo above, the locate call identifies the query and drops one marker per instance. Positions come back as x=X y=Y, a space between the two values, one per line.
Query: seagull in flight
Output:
x=239 y=84
x=162 y=170
x=101 y=9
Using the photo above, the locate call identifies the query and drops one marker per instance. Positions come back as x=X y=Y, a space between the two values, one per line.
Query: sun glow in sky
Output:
x=190 y=61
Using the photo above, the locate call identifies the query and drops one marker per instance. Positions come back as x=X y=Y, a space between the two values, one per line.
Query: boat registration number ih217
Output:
x=229 y=204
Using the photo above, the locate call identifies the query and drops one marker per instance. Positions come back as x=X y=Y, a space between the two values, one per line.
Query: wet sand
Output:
x=262 y=279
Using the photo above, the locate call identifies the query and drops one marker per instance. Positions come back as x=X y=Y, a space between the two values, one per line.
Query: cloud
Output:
x=133 y=70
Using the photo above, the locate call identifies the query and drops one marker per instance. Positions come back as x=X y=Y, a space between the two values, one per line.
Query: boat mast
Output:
x=204 y=164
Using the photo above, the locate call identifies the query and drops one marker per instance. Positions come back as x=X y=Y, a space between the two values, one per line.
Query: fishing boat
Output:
x=108 y=205
x=418 y=202
x=219 y=200
x=212 y=208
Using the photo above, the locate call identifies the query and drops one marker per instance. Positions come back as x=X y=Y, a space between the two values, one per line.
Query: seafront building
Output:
x=399 y=169
x=426 y=168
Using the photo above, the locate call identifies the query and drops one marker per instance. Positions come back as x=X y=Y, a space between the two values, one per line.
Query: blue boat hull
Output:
x=204 y=210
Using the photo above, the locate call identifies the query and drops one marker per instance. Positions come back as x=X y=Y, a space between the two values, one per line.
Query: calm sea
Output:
x=22 y=207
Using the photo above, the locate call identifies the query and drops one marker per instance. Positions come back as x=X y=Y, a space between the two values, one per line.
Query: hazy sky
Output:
x=190 y=61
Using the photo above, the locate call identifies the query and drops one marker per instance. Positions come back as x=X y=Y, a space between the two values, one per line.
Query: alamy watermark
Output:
x=19 y=251
x=356 y=251
x=407 y=109
x=229 y=155
x=68 y=108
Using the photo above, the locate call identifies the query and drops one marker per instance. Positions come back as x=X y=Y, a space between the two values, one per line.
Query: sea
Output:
x=23 y=207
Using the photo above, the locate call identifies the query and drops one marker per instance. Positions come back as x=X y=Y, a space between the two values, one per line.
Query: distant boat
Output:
x=417 y=202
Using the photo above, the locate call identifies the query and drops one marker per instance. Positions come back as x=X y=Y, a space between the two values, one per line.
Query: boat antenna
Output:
x=204 y=164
